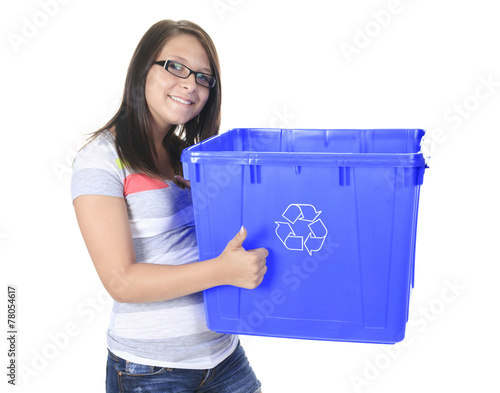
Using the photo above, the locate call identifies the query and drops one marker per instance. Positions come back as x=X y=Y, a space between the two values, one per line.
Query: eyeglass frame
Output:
x=165 y=63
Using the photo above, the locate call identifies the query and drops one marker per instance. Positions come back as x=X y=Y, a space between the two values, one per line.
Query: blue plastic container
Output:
x=337 y=210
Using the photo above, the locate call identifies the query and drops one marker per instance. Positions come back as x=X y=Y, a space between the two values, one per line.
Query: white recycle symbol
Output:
x=302 y=228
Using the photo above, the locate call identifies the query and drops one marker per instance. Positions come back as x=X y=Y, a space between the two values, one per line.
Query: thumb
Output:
x=237 y=241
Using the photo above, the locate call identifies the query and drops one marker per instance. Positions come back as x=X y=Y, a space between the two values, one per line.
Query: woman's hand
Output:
x=181 y=182
x=244 y=269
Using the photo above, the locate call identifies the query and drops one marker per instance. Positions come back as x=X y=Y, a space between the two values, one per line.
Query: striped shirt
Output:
x=171 y=333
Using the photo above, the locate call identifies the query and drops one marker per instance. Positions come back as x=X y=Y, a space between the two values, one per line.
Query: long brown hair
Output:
x=132 y=122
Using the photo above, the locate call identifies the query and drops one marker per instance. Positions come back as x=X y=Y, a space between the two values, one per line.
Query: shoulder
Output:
x=97 y=168
x=99 y=153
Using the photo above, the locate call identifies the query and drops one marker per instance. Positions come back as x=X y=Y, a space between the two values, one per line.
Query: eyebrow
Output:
x=204 y=70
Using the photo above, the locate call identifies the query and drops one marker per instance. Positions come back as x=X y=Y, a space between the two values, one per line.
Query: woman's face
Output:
x=172 y=100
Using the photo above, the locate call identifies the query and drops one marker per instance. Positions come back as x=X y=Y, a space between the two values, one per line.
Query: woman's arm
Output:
x=105 y=227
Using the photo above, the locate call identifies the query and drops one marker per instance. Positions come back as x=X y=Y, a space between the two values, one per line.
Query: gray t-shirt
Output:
x=170 y=333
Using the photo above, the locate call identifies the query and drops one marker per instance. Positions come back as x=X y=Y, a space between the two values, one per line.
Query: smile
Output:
x=181 y=100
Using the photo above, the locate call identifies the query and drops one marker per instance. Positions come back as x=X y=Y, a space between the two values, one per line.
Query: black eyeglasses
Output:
x=184 y=72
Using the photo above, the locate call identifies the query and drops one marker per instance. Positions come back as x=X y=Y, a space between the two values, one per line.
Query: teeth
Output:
x=180 y=100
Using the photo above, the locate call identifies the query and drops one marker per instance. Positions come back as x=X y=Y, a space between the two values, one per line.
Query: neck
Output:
x=159 y=134
x=162 y=158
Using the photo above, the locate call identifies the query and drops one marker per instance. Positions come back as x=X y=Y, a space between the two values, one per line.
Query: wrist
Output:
x=216 y=272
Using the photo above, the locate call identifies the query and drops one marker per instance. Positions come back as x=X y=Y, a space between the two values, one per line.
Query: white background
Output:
x=421 y=63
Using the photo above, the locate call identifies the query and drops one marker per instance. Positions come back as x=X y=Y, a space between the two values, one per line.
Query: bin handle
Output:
x=425 y=149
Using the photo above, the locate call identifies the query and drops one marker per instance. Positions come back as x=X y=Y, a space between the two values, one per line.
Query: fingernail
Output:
x=242 y=229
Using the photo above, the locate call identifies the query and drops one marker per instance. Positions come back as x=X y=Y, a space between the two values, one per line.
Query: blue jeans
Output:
x=233 y=375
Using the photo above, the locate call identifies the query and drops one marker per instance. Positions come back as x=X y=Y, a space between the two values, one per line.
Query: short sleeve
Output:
x=96 y=172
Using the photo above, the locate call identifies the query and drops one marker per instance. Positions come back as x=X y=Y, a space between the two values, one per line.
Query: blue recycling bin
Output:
x=337 y=210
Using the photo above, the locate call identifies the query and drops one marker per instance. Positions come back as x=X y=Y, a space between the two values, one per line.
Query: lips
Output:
x=181 y=100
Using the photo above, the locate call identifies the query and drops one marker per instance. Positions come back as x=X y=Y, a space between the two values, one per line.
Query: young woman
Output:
x=135 y=213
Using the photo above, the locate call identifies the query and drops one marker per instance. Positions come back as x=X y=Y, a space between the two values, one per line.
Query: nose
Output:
x=189 y=83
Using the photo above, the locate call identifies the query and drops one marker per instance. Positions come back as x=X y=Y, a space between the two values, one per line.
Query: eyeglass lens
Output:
x=182 y=71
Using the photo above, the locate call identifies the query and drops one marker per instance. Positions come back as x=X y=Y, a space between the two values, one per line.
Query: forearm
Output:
x=105 y=226
x=144 y=282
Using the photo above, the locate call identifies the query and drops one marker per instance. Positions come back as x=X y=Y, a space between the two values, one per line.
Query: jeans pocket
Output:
x=139 y=377
x=131 y=368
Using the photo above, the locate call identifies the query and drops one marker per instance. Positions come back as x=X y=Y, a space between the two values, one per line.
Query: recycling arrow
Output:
x=288 y=237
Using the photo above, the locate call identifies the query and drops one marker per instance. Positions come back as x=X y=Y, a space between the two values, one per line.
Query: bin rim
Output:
x=197 y=155
x=303 y=159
